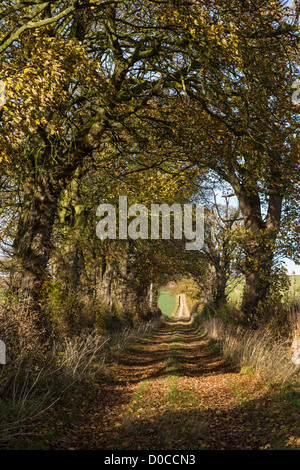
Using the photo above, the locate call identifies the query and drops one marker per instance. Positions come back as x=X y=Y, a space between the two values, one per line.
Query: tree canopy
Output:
x=161 y=101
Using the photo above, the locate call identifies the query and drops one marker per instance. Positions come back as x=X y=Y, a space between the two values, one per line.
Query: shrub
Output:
x=28 y=389
x=20 y=328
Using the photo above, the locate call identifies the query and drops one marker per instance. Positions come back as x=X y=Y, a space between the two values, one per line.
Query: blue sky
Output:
x=291 y=266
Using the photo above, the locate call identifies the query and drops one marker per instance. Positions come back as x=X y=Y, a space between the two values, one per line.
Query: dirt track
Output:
x=171 y=392
x=182 y=312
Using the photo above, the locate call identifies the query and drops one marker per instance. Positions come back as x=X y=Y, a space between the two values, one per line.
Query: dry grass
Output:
x=31 y=384
x=256 y=350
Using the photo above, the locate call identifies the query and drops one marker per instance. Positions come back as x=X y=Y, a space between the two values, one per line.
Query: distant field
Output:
x=167 y=303
x=236 y=286
x=235 y=290
x=295 y=286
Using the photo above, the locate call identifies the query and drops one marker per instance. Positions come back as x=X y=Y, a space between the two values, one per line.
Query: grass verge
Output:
x=40 y=396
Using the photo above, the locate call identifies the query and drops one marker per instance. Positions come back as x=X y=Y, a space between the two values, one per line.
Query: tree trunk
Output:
x=32 y=244
x=259 y=249
x=259 y=245
x=219 y=295
x=72 y=216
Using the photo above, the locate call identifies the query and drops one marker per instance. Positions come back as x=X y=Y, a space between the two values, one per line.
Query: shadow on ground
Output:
x=190 y=398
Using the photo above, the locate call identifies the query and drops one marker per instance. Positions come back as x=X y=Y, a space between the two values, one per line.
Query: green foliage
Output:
x=70 y=313
x=207 y=312
x=101 y=312
x=227 y=315
x=59 y=306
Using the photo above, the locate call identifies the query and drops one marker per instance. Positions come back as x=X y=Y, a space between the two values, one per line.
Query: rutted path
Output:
x=182 y=310
x=172 y=391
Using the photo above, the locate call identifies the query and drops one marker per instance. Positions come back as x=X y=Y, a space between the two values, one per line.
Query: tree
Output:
x=77 y=84
x=18 y=17
x=221 y=248
x=234 y=117
x=73 y=89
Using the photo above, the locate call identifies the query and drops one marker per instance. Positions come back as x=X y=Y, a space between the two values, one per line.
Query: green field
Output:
x=235 y=289
x=167 y=303
x=294 y=291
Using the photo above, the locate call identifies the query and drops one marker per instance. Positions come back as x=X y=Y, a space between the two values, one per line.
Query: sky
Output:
x=291 y=267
